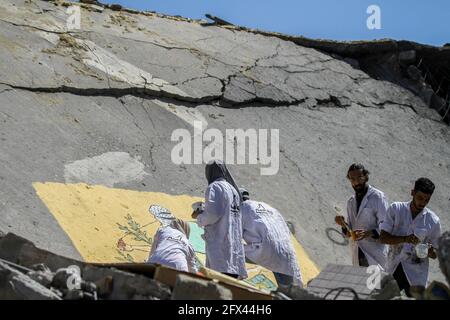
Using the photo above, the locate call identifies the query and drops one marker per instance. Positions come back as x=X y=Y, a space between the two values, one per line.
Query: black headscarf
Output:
x=216 y=169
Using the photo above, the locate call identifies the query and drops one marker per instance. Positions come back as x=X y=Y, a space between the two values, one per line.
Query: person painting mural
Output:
x=268 y=241
x=366 y=210
x=171 y=247
x=222 y=222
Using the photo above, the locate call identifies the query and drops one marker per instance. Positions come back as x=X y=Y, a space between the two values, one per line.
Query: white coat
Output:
x=425 y=226
x=268 y=241
x=172 y=248
x=222 y=222
x=371 y=214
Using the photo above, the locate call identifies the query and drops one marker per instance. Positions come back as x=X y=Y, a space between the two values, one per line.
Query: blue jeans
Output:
x=283 y=280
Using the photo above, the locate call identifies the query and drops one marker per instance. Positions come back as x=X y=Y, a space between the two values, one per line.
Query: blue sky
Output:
x=416 y=20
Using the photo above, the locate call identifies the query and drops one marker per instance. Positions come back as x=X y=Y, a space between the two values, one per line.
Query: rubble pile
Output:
x=30 y=273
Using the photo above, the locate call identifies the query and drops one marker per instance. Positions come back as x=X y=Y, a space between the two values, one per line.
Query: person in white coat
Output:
x=171 y=247
x=408 y=227
x=268 y=241
x=222 y=223
x=366 y=210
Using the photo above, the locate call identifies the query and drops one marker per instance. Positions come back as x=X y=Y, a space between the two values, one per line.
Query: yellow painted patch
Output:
x=114 y=225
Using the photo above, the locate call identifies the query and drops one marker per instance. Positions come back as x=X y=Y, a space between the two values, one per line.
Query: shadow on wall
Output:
x=336 y=237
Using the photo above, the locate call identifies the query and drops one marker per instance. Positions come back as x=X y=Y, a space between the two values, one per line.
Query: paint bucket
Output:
x=422 y=250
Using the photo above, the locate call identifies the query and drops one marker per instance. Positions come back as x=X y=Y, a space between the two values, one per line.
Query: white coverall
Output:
x=222 y=223
x=268 y=239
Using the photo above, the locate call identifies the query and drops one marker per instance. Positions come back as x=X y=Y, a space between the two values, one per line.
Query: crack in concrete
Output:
x=410 y=106
x=316 y=191
x=7 y=115
x=37 y=28
x=105 y=71
x=115 y=92
x=219 y=100
x=224 y=83
x=152 y=145
x=6 y=89
x=192 y=79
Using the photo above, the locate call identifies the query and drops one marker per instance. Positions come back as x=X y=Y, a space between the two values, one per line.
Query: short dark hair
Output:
x=357 y=166
x=425 y=185
x=244 y=193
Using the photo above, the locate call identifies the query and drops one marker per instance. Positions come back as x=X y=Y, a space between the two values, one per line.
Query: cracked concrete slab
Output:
x=176 y=57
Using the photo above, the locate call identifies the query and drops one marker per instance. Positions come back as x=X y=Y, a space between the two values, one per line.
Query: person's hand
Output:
x=346 y=233
x=432 y=253
x=194 y=214
x=362 y=234
x=412 y=239
x=340 y=220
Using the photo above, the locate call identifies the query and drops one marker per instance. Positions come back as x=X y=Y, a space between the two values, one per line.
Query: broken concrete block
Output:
x=426 y=94
x=389 y=289
x=298 y=293
x=104 y=286
x=40 y=267
x=14 y=285
x=443 y=254
x=115 y=7
x=189 y=288
x=22 y=251
x=43 y=277
x=90 y=2
x=126 y=285
x=345 y=282
x=437 y=103
x=414 y=73
x=407 y=57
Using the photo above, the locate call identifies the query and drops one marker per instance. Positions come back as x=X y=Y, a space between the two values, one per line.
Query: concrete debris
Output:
x=45 y=278
x=389 y=289
x=70 y=279
x=84 y=281
x=15 y=285
x=115 y=7
x=120 y=285
x=341 y=282
x=414 y=73
x=218 y=20
x=297 y=293
x=189 y=288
